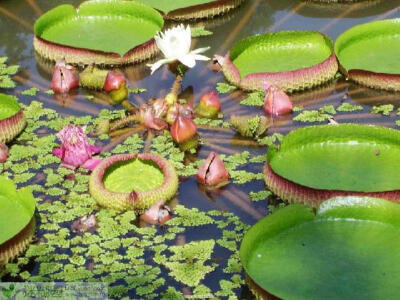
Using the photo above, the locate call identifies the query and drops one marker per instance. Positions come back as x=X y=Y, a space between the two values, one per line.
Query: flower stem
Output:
x=176 y=87
x=124 y=122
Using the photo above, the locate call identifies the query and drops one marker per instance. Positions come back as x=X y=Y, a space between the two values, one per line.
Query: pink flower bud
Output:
x=276 y=101
x=114 y=81
x=3 y=153
x=64 y=78
x=183 y=129
x=213 y=171
x=157 y=213
x=115 y=85
x=210 y=105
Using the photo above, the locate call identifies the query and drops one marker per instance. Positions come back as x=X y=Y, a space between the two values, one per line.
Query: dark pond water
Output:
x=254 y=16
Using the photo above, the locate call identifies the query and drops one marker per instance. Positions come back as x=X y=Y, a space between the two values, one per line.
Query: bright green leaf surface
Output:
x=133 y=175
x=97 y=25
x=167 y=5
x=372 y=47
x=345 y=157
x=342 y=251
x=16 y=209
x=282 y=51
x=8 y=106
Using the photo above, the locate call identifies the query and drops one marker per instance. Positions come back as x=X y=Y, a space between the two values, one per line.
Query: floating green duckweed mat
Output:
x=344 y=157
x=104 y=27
x=342 y=250
x=137 y=262
x=293 y=60
x=370 y=53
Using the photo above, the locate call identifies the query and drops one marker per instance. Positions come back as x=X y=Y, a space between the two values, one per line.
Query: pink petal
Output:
x=92 y=163
x=58 y=152
x=213 y=171
x=94 y=149
x=151 y=215
x=64 y=78
x=277 y=102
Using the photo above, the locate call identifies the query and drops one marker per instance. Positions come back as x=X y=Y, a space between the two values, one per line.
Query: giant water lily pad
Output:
x=293 y=60
x=349 y=249
x=315 y=163
x=192 y=9
x=370 y=54
x=101 y=32
x=133 y=181
x=16 y=219
x=12 y=118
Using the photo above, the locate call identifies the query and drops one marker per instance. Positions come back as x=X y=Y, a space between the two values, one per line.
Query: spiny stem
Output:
x=176 y=86
x=128 y=106
x=123 y=122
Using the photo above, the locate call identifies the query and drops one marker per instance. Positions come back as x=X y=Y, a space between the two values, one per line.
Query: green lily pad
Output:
x=349 y=249
x=281 y=51
x=109 y=26
x=373 y=47
x=16 y=209
x=345 y=157
x=8 y=106
x=133 y=175
x=167 y=6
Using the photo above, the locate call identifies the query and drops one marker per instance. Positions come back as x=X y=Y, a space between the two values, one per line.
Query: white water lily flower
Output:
x=175 y=44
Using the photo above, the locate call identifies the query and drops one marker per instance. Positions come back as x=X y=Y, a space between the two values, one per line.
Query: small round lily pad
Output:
x=348 y=249
x=12 y=118
x=315 y=163
x=292 y=60
x=17 y=207
x=133 y=181
x=192 y=9
x=370 y=54
x=104 y=32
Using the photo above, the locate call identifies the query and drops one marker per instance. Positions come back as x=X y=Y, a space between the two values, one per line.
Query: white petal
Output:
x=188 y=37
x=158 y=64
x=188 y=60
x=160 y=44
x=200 y=57
x=200 y=50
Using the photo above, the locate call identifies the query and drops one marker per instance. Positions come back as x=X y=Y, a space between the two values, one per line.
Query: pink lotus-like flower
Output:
x=64 y=78
x=213 y=171
x=209 y=105
x=276 y=102
x=157 y=213
x=183 y=129
x=3 y=153
x=75 y=150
